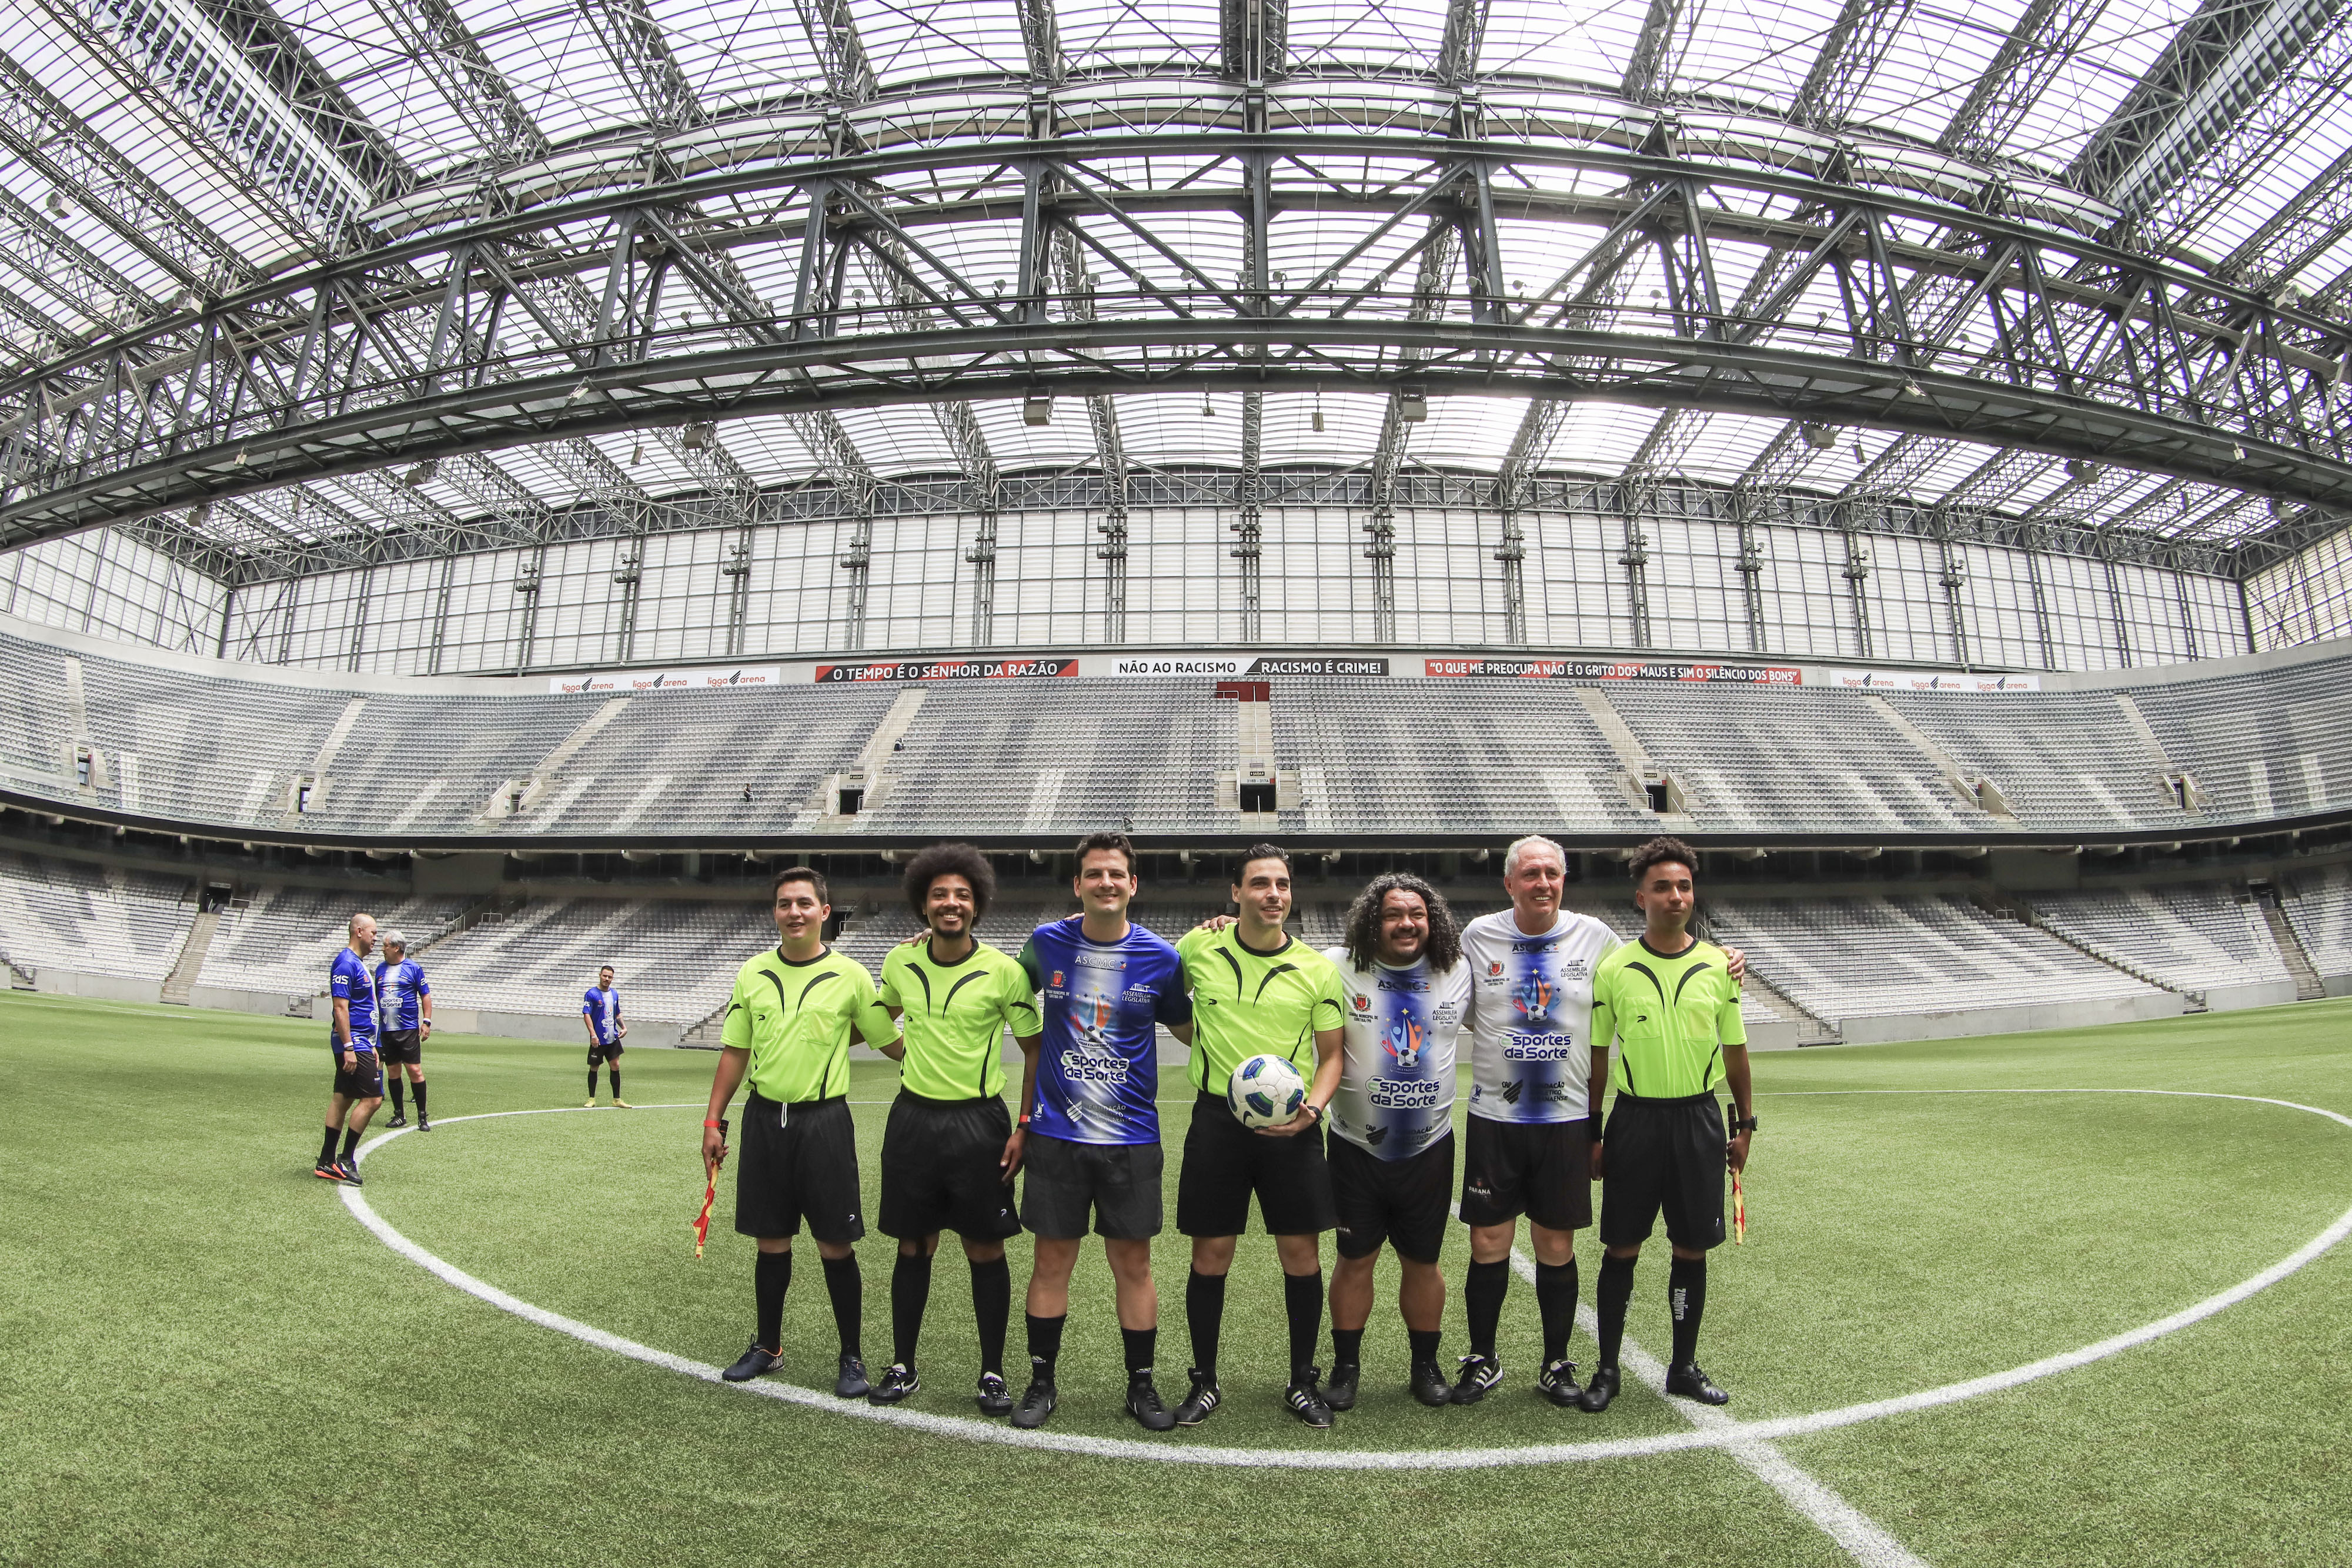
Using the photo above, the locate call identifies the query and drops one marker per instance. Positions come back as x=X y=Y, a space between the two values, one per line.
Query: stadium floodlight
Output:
x=582 y=393
x=698 y=436
x=2082 y=468
x=1412 y=407
x=1037 y=409
x=424 y=474
x=1820 y=437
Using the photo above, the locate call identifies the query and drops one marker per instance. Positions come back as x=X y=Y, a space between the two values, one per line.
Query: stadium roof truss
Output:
x=289 y=287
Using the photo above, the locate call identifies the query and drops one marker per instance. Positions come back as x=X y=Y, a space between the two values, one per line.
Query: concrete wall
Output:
x=109 y=988
x=1961 y=1022
x=564 y=1030
x=267 y=1004
x=2336 y=985
x=2266 y=994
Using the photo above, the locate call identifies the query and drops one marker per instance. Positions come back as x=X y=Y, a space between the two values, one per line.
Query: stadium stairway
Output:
x=2308 y=986
x=182 y=980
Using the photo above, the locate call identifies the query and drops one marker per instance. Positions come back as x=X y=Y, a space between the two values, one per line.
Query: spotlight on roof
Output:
x=1208 y=409
x=636 y=454
x=698 y=437
x=1913 y=389
x=1820 y=437
x=1037 y=408
x=56 y=203
x=2082 y=468
x=582 y=393
x=1411 y=407
x=1318 y=421
x=424 y=474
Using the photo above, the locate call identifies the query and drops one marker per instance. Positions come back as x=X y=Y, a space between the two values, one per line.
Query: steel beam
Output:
x=2044 y=38
x=1848 y=55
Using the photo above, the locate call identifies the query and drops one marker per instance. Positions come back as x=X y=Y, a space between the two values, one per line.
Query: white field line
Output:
x=1730 y=1432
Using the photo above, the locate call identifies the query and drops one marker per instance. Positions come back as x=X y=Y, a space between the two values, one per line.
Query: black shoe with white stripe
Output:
x=1479 y=1374
x=1305 y=1399
x=1143 y=1404
x=993 y=1397
x=1557 y=1383
x=1038 y=1402
x=1197 y=1404
x=898 y=1380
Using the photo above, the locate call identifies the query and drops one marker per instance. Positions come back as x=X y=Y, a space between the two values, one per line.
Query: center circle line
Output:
x=1728 y=1435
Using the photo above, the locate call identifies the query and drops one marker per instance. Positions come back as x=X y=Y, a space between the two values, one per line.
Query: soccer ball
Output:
x=1267 y=1092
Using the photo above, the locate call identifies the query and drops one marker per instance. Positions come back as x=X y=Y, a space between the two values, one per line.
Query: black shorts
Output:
x=1120 y=1183
x=798 y=1162
x=402 y=1045
x=941 y=1169
x=1662 y=1155
x=1406 y=1201
x=1540 y=1169
x=1225 y=1162
x=612 y=1052
x=363 y=1081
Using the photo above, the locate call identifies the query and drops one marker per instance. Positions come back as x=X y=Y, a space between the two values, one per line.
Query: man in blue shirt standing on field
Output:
x=600 y=1010
x=359 y=1076
x=404 y=1003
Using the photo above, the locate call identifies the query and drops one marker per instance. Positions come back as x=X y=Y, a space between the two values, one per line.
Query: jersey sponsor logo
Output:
x=1093 y=1058
x=1404 y=1094
x=1392 y=983
x=1100 y=961
x=1404 y=1039
x=1526 y=1045
x=1533 y=996
x=1540 y=945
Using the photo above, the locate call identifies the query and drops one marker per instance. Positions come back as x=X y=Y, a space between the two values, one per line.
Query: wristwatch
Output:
x=1747 y=1125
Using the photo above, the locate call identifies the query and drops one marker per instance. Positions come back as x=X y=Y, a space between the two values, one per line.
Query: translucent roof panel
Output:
x=916 y=40
x=1110 y=34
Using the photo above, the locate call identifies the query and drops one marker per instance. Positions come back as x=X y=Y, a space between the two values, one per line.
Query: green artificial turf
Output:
x=209 y=1359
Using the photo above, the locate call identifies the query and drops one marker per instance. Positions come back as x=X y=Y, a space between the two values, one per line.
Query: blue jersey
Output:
x=347 y=981
x=1098 y=1070
x=1396 y=1088
x=602 y=1008
x=400 y=991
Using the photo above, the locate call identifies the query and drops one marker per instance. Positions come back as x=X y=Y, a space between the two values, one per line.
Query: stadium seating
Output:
x=1845 y=958
x=218 y=749
x=2198 y=937
x=674 y=960
x=282 y=939
x=2318 y=904
x=64 y=915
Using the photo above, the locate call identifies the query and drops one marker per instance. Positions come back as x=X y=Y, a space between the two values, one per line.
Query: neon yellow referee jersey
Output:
x=1672 y=1018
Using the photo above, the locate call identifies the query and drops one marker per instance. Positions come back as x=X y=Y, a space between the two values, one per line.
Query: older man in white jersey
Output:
x=1533 y=1097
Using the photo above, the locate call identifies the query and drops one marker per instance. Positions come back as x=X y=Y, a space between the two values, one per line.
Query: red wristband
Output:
x=1025 y=1120
x=720 y=1125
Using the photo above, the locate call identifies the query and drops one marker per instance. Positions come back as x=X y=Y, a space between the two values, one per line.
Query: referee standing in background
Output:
x=1671 y=1002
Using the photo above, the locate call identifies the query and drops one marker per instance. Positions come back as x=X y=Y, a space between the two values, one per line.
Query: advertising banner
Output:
x=1615 y=670
x=630 y=681
x=886 y=670
x=1236 y=666
x=1931 y=681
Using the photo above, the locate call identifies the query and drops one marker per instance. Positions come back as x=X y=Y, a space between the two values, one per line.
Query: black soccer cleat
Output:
x=1479 y=1374
x=399 y=1119
x=898 y=1380
x=327 y=1170
x=1203 y=1398
x=351 y=1169
x=1304 y=1398
x=423 y=1122
x=753 y=1362
x=993 y=1397
x=1599 y=1391
x=851 y=1384
x=1143 y=1404
x=1341 y=1392
x=1036 y=1403
x=1689 y=1382
x=1428 y=1385
x=1557 y=1383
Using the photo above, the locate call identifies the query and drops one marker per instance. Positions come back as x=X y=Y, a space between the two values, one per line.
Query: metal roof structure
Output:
x=288 y=285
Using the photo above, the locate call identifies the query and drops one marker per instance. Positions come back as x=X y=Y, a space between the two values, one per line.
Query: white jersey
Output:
x=1531 y=1015
x=1396 y=1087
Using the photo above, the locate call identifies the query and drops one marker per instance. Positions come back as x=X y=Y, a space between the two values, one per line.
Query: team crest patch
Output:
x=1057 y=976
x=1363 y=1004
x=1495 y=969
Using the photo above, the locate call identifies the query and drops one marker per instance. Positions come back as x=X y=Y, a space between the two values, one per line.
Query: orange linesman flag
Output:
x=1739 y=1211
x=702 y=1220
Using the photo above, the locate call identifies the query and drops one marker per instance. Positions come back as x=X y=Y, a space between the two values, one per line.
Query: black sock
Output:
x=771 y=1276
x=350 y=1141
x=1686 y=1298
x=420 y=1099
x=1608 y=1298
x=1140 y=1344
x=1481 y=1296
x=1346 y=1347
x=1424 y=1344
x=848 y=1293
x=991 y=1308
x=911 y=1292
x=1045 y=1344
x=1556 y=1303
x=1204 y=1315
x=592 y=1083
x=615 y=1073
x=326 y=1149
x=1302 y=1302
x=399 y=1102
